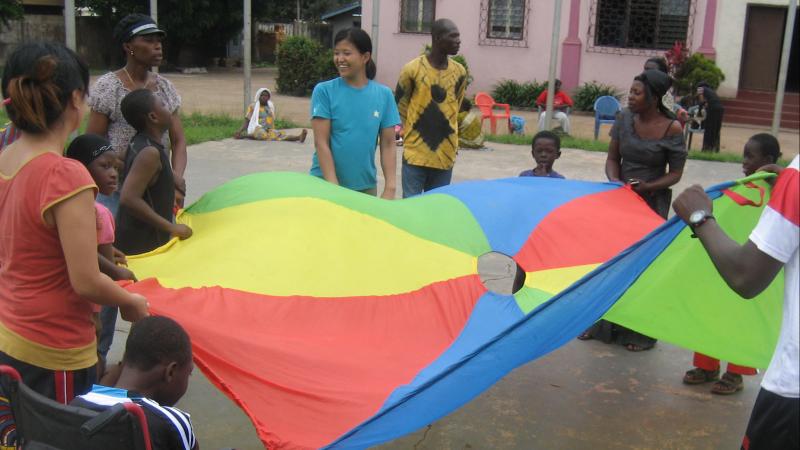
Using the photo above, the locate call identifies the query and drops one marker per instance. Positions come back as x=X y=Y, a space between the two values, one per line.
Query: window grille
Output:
x=416 y=16
x=504 y=23
x=641 y=24
x=506 y=19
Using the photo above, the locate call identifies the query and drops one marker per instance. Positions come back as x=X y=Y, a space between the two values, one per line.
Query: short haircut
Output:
x=154 y=340
x=136 y=106
x=546 y=134
x=440 y=27
x=768 y=145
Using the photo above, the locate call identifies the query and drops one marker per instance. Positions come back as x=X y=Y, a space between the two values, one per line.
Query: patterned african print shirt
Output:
x=429 y=100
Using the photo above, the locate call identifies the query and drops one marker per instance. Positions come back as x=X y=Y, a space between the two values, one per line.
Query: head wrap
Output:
x=658 y=83
x=88 y=147
x=251 y=126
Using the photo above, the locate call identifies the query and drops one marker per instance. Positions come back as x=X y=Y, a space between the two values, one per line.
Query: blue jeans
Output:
x=418 y=179
x=110 y=201
x=108 y=322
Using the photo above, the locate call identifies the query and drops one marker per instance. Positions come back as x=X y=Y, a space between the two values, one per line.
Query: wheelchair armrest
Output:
x=98 y=422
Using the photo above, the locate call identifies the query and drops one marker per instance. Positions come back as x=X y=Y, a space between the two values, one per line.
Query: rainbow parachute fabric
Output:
x=339 y=320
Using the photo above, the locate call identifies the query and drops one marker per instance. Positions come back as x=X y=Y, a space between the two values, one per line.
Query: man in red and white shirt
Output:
x=749 y=269
x=561 y=104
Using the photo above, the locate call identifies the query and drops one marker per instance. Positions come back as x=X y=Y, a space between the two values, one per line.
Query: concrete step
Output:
x=746 y=110
x=759 y=120
x=788 y=108
x=767 y=96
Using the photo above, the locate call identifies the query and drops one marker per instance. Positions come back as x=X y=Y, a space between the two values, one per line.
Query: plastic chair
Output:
x=42 y=423
x=487 y=105
x=697 y=118
x=605 y=111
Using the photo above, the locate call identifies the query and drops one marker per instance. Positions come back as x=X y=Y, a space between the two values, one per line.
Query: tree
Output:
x=10 y=10
x=310 y=10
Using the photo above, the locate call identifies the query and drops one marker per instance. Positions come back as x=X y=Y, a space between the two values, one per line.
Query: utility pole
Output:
x=154 y=16
x=246 y=41
x=69 y=24
x=376 y=17
x=787 y=46
x=551 y=77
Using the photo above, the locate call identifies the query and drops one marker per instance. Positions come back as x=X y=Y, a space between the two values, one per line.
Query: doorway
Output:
x=761 y=52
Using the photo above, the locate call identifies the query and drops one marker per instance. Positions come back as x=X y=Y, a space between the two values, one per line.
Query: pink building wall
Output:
x=491 y=64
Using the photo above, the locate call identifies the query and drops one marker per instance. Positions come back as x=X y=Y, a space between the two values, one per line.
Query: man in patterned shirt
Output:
x=429 y=94
x=749 y=269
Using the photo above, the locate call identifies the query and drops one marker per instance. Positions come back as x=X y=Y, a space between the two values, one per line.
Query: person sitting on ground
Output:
x=748 y=269
x=154 y=373
x=470 y=133
x=561 y=103
x=545 y=149
x=98 y=156
x=760 y=150
x=259 y=122
x=144 y=219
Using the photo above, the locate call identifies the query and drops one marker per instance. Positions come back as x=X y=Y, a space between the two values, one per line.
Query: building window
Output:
x=416 y=16
x=641 y=24
x=506 y=19
x=504 y=23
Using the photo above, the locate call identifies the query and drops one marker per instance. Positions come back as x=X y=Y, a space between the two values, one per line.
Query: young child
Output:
x=144 y=219
x=96 y=153
x=545 y=149
x=760 y=150
x=154 y=373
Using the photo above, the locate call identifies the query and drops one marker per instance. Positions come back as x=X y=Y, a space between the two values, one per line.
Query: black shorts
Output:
x=774 y=423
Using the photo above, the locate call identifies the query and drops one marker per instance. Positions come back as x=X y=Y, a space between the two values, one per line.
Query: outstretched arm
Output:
x=745 y=268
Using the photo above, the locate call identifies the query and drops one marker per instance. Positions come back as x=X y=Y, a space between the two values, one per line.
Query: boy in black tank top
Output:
x=144 y=219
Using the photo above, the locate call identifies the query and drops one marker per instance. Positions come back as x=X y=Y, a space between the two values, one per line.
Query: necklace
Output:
x=133 y=83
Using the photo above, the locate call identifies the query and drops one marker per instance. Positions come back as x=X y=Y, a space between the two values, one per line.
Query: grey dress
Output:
x=647 y=160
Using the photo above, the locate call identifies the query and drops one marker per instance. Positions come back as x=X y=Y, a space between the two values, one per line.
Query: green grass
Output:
x=198 y=127
x=599 y=146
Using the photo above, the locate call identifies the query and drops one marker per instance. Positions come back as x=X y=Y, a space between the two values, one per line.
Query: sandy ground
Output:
x=221 y=91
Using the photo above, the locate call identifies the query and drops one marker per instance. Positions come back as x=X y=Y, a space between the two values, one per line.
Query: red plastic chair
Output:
x=487 y=105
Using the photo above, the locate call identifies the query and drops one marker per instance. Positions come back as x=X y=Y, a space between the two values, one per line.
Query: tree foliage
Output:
x=10 y=10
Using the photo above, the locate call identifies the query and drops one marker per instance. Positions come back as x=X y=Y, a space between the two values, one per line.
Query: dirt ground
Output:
x=221 y=91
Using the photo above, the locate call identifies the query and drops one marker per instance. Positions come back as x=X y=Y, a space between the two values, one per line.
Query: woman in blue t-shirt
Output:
x=348 y=114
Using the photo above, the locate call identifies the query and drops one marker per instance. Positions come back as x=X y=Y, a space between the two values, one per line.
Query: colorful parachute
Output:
x=335 y=319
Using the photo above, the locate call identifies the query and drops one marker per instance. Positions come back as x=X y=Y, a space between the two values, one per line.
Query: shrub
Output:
x=695 y=69
x=586 y=94
x=518 y=94
x=302 y=63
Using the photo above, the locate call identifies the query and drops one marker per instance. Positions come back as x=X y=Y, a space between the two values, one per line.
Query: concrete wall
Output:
x=491 y=64
x=729 y=41
x=30 y=28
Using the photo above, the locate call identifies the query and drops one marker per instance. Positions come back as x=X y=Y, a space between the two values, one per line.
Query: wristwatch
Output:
x=698 y=218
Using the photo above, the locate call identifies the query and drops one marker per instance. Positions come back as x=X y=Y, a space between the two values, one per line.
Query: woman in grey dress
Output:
x=647 y=153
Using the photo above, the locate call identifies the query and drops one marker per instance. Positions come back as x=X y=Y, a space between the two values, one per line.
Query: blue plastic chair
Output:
x=605 y=111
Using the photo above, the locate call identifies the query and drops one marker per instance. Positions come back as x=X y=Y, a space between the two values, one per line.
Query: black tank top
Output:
x=132 y=235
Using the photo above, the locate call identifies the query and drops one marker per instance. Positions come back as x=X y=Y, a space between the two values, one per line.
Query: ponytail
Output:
x=38 y=83
x=360 y=40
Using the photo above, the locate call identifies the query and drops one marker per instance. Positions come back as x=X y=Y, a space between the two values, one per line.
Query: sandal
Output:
x=700 y=376
x=636 y=348
x=730 y=383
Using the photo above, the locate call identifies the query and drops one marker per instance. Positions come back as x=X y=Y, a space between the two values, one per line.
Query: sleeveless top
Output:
x=134 y=236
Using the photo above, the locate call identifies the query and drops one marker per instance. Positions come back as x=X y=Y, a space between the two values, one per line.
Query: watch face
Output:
x=696 y=217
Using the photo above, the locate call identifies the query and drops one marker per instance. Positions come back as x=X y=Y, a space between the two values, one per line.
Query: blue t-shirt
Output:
x=357 y=115
x=529 y=173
